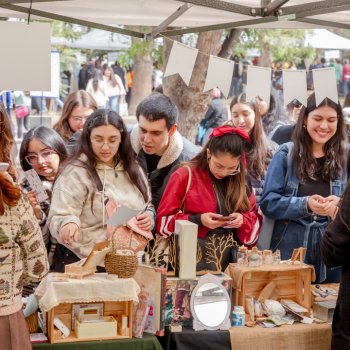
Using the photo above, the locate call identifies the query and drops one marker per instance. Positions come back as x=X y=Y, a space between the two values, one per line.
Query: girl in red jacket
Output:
x=218 y=199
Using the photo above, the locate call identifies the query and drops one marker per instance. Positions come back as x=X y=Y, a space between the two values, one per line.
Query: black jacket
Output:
x=179 y=150
x=335 y=248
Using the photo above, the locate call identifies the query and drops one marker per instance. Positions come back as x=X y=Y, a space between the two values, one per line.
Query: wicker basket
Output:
x=122 y=265
x=33 y=322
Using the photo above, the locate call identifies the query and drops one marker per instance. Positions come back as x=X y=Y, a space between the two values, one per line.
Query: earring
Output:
x=304 y=126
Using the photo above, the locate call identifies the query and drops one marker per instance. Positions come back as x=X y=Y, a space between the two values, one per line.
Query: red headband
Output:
x=226 y=129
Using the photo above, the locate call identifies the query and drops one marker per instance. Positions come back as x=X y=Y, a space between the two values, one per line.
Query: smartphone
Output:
x=4 y=166
x=225 y=218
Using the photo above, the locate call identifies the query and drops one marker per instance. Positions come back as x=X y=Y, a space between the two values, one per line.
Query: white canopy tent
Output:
x=324 y=39
x=96 y=39
x=185 y=15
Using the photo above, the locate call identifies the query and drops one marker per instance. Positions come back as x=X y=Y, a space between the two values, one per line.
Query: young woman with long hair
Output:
x=246 y=116
x=23 y=259
x=219 y=198
x=304 y=182
x=77 y=107
x=42 y=150
x=97 y=88
x=103 y=169
x=115 y=87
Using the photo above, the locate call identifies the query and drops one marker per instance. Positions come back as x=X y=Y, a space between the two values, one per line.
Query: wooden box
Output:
x=107 y=327
x=292 y=282
x=117 y=309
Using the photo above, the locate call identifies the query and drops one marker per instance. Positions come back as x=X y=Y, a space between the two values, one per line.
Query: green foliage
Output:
x=285 y=45
x=68 y=59
x=138 y=48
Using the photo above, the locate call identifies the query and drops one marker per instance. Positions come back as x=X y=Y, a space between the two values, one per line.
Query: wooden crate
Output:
x=292 y=282
x=117 y=309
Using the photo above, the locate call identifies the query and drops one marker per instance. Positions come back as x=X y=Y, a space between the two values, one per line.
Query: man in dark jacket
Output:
x=158 y=145
x=334 y=248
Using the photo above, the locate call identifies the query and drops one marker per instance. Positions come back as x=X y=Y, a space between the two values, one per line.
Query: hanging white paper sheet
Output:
x=219 y=74
x=294 y=86
x=25 y=62
x=181 y=60
x=325 y=84
x=259 y=83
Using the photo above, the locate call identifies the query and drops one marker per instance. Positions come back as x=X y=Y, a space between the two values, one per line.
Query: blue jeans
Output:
x=114 y=103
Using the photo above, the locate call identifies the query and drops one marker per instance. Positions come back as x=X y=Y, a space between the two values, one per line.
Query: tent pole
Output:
x=54 y=16
x=181 y=10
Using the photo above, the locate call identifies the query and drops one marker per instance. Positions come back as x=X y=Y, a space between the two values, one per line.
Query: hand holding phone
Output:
x=225 y=218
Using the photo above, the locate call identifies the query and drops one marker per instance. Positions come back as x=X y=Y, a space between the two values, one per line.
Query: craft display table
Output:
x=298 y=336
x=148 y=342
x=57 y=294
x=189 y=339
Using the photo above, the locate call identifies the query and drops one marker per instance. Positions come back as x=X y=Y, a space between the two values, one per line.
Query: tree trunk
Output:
x=142 y=81
x=264 y=59
x=230 y=41
x=190 y=100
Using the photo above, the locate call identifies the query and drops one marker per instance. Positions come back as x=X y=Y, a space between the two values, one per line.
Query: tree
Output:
x=276 y=45
x=190 y=100
x=140 y=55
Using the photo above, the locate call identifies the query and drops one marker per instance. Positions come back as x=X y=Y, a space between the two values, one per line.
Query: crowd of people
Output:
x=230 y=187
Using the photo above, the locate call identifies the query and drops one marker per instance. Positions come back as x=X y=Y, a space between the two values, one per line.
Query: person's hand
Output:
x=68 y=233
x=144 y=221
x=236 y=222
x=333 y=199
x=210 y=220
x=319 y=205
x=33 y=200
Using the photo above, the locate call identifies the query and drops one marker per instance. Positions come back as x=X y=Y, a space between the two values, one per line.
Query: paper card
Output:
x=181 y=60
x=258 y=83
x=122 y=216
x=219 y=74
x=325 y=84
x=294 y=86
x=36 y=185
x=26 y=59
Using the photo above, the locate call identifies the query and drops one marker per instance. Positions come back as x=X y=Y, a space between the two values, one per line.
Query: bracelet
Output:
x=153 y=213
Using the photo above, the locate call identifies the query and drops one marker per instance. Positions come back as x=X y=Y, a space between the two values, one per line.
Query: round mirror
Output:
x=210 y=304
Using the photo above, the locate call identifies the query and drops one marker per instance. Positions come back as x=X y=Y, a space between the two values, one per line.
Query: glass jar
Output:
x=242 y=256
x=276 y=257
x=255 y=258
x=267 y=257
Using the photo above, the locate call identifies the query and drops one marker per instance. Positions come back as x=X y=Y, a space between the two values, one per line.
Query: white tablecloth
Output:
x=56 y=289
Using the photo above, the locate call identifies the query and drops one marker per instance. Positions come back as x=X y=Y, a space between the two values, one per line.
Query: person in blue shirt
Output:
x=304 y=182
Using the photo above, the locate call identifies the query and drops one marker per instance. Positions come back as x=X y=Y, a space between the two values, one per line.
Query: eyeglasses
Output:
x=34 y=158
x=111 y=144
x=231 y=171
x=78 y=119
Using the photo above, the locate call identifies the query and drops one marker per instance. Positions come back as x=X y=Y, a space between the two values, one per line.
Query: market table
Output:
x=298 y=336
x=148 y=342
x=189 y=339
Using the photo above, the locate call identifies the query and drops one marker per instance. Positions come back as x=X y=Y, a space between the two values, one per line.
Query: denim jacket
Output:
x=295 y=225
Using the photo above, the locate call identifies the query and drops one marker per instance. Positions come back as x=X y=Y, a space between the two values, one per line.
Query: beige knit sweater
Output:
x=74 y=200
x=23 y=256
